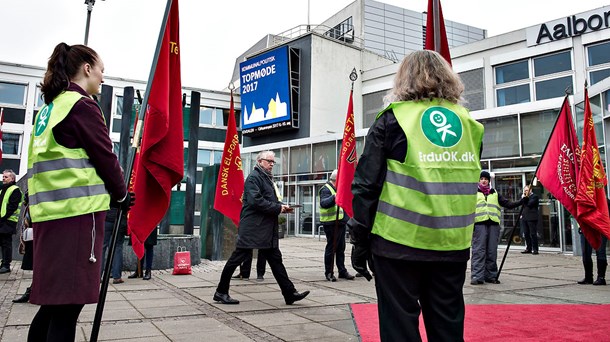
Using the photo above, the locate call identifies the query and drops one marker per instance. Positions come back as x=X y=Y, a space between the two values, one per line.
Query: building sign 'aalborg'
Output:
x=571 y=26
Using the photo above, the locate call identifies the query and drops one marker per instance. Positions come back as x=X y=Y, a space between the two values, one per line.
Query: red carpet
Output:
x=512 y=322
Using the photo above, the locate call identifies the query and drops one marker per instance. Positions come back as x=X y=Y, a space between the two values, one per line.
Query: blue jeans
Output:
x=117 y=261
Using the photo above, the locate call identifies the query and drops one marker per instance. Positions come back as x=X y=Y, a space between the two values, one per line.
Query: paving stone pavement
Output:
x=180 y=308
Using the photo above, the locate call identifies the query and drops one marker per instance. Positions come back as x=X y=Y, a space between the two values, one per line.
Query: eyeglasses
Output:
x=270 y=161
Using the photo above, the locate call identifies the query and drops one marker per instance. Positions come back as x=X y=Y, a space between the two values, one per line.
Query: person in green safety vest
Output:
x=486 y=235
x=10 y=199
x=414 y=202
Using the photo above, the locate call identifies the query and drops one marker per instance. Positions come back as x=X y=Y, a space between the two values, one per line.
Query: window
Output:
x=300 y=157
x=39 y=100
x=12 y=93
x=535 y=130
x=501 y=137
x=539 y=78
x=373 y=104
x=324 y=156
x=598 y=62
x=217 y=117
x=203 y=157
x=474 y=89
x=11 y=143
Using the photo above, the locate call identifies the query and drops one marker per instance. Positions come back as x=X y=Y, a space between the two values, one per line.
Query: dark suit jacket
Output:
x=258 y=224
x=530 y=208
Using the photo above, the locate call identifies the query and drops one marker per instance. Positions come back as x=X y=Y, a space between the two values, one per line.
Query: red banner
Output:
x=430 y=38
x=347 y=162
x=591 y=199
x=230 y=184
x=558 y=167
x=161 y=159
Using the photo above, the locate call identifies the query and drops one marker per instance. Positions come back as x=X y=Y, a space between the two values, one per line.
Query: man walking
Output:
x=10 y=199
x=333 y=219
x=258 y=229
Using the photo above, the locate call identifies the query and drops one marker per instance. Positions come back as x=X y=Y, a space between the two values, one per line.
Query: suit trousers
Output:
x=531 y=235
x=6 y=243
x=246 y=267
x=273 y=257
x=337 y=236
x=406 y=288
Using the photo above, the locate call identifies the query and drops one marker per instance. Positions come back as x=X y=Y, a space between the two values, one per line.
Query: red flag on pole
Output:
x=347 y=162
x=230 y=184
x=558 y=167
x=591 y=202
x=436 y=36
x=161 y=159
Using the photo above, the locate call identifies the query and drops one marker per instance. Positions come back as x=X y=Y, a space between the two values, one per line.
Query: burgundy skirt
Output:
x=63 y=273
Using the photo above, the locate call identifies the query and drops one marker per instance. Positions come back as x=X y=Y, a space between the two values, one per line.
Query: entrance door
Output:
x=510 y=186
x=307 y=220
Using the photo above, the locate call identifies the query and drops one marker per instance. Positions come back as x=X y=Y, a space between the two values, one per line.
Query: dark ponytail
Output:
x=64 y=64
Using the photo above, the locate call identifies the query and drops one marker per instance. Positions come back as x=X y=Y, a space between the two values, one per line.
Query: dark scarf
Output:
x=265 y=172
x=484 y=189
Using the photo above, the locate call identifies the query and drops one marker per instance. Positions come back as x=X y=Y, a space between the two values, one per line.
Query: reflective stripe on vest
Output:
x=15 y=216
x=428 y=201
x=488 y=209
x=62 y=181
x=330 y=214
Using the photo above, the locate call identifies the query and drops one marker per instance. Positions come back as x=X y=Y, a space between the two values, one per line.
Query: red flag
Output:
x=430 y=38
x=591 y=202
x=558 y=167
x=161 y=160
x=230 y=184
x=347 y=162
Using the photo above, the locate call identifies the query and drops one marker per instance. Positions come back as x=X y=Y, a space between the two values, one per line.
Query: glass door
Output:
x=510 y=186
x=306 y=219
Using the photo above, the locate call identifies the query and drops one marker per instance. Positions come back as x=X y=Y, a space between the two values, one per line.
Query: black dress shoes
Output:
x=4 y=270
x=347 y=276
x=330 y=277
x=224 y=298
x=526 y=251
x=295 y=297
x=492 y=281
x=239 y=276
x=585 y=281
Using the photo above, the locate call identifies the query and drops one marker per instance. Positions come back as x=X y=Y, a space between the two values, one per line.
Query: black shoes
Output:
x=526 y=251
x=239 y=276
x=585 y=281
x=492 y=281
x=347 y=276
x=535 y=252
x=600 y=281
x=260 y=278
x=476 y=282
x=134 y=275
x=26 y=296
x=224 y=298
x=330 y=277
x=295 y=297
x=147 y=275
x=4 y=270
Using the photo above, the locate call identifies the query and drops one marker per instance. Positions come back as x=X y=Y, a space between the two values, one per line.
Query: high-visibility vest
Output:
x=330 y=214
x=428 y=201
x=487 y=209
x=62 y=181
x=15 y=216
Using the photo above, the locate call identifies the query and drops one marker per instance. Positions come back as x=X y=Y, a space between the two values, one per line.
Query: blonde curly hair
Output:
x=425 y=75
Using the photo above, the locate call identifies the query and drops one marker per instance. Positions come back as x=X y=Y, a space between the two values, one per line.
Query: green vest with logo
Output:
x=15 y=216
x=330 y=214
x=487 y=209
x=428 y=201
x=62 y=181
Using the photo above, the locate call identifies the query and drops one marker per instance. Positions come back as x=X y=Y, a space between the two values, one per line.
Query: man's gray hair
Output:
x=10 y=172
x=264 y=155
x=333 y=176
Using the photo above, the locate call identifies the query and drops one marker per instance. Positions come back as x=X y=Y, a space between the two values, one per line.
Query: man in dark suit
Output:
x=258 y=229
x=530 y=217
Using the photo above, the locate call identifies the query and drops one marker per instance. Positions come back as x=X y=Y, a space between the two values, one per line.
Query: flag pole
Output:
x=532 y=183
x=99 y=310
x=437 y=25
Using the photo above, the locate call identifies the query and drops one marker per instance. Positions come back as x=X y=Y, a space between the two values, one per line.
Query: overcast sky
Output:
x=214 y=33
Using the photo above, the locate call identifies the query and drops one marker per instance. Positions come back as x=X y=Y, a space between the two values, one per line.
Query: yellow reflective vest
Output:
x=15 y=216
x=487 y=208
x=330 y=214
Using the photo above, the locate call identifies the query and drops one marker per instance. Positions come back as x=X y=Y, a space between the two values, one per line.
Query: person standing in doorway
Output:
x=414 y=209
x=530 y=217
x=333 y=219
x=486 y=235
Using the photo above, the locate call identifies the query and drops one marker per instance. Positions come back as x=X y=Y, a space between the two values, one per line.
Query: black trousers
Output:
x=246 y=267
x=273 y=257
x=531 y=235
x=339 y=248
x=6 y=243
x=406 y=288
x=55 y=323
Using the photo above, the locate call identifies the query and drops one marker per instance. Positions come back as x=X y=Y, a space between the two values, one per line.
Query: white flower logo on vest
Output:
x=441 y=126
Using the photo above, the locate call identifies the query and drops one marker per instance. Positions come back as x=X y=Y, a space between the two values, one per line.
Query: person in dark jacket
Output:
x=10 y=200
x=530 y=218
x=258 y=229
x=117 y=260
